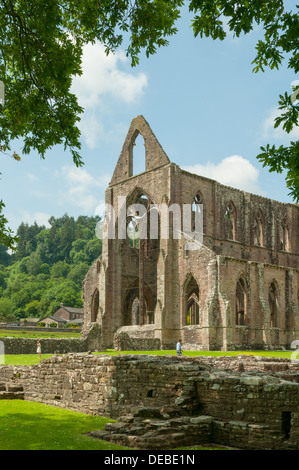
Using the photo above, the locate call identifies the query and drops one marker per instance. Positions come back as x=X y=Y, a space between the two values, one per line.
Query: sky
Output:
x=209 y=111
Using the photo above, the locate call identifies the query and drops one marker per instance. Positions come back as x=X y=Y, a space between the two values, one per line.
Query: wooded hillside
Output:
x=48 y=267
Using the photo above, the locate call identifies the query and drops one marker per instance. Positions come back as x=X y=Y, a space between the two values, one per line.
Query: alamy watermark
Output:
x=153 y=222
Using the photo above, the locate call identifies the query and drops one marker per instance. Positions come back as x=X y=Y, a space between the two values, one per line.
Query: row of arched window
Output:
x=192 y=314
x=230 y=224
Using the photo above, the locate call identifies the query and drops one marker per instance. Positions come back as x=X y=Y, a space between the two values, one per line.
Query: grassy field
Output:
x=71 y=333
x=29 y=359
x=33 y=426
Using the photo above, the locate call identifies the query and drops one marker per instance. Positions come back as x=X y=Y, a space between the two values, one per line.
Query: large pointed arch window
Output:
x=95 y=305
x=285 y=235
x=197 y=210
x=273 y=304
x=138 y=222
x=137 y=154
x=258 y=229
x=230 y=221
x=191 y=302
x=241 y=302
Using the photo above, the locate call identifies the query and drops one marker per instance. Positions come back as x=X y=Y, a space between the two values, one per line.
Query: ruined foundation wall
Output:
x=89 y=340
x=249 y=409
x=105 y=385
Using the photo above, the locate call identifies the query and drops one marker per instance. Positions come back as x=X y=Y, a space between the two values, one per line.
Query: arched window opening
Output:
x=132 y=314
x=95 y=306
x=133 y=232
x=137 y=155
x=138 y=223
x=192 y=311
x=135 y=311
x=285 y=236
x=273 y=304
x=191 y=302
x=197 y=212
x=258 y=229
x=241 y=302
x=230 y=217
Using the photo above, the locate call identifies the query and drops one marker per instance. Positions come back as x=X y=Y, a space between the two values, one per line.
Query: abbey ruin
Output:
x=240 y=288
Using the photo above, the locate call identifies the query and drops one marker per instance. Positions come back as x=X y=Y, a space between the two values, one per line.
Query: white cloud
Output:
x=106 y=82
x=81 y=188
x=41 y=218
x=234 y=171
x=277 y=134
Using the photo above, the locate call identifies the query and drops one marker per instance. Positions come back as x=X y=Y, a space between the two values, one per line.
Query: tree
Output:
x=5 y=257
x=280 y=38
x=41 y=51
x=6 y=309
x=6 y=235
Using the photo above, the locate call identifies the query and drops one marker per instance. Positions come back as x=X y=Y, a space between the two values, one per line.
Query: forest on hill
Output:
x=48 y=267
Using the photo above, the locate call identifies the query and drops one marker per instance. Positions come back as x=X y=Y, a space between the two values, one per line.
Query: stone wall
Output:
x=253 y=409
x=90 y=340
x=136 y=338
x=101 y=384
x=254 y=245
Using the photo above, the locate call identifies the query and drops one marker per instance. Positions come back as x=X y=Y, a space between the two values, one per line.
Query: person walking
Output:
x=179 y=348
x=39 y=349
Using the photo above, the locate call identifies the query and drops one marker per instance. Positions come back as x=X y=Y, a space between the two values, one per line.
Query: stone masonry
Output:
x=89 y=340
x=166 y=401
x=238 y=291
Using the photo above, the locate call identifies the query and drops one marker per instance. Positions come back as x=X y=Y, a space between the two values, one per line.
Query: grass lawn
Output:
x=71 y=333
x=34 y=426
x=285 y=354
x=29 y=359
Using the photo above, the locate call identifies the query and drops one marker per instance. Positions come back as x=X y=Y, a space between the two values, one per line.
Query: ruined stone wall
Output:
x=227 y=256
x=136 y=338
x=90 y=284
x=260 y=411
x=251 y=409
x=109 y=386
x=89 y=340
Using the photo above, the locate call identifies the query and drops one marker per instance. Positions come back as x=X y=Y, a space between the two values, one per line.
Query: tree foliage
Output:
x=47 y=268
x=41 y=51
x=281 y=40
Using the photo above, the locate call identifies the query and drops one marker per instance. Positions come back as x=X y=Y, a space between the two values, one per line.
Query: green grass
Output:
x=33 y=426
x=23 y=359
x=38 y=334
x=29 y=359
x=283 y=354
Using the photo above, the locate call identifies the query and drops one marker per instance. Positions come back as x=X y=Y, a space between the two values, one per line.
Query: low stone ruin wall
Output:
x=90 y=340
x=136 y=338
x=248 y=409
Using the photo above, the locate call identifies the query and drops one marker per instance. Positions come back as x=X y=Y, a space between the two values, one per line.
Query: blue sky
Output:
x=208 y=110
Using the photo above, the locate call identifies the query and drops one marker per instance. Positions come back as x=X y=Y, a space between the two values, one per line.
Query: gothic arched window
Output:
x=285 y=235
x=273 y=304
x=230 y=219
x=191 y=302
x=258 y=229
x=241 y=302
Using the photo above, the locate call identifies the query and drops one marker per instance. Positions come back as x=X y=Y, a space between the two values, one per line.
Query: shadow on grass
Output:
x=34 y=426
